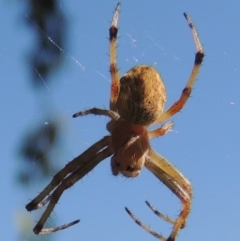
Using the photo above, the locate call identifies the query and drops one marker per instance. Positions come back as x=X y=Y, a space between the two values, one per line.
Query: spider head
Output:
x=126 y=169
x=130 y=144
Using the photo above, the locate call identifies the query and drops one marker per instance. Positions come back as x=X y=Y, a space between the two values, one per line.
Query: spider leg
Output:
x=158 y=163
x=70 y=180
x=96 y=111
x=160 y=215
x=51 y=230
x=69 y=168
x=115 y=85
x=177 y=106
x=176 y=182
x=43 y=202
x=144 y=226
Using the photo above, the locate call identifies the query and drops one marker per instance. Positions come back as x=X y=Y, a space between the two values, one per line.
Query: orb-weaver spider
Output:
x=137 y=101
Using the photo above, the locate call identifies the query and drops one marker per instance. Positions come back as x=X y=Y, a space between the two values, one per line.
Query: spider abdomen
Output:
x=142 y=95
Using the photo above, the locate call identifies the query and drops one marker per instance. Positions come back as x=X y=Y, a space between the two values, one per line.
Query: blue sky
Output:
x=205 y=142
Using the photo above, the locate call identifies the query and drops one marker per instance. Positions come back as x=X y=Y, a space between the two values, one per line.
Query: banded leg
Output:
x=115 y=85
x=177 y=106
x=96 y=111
x=69 y=168
x=66 y=183
x=177 y=183
x=65 y=178
x=160 y=215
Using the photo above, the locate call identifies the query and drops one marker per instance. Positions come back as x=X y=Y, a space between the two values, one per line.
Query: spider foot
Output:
x=33 y=206
x=43 y=203
x=116 y=15
x=51 y=230
x=162 y=216
x=162 y=130
x=145 y=227
x=168 y=126
x=175 y=223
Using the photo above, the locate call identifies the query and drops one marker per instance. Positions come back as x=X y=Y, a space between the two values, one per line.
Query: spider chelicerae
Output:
x=137 y=101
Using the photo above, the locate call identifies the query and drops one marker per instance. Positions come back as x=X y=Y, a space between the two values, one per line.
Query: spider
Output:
x=136 y=101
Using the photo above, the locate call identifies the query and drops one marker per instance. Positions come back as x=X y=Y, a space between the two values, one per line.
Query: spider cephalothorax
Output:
x=130 y=145
x=136 y=101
